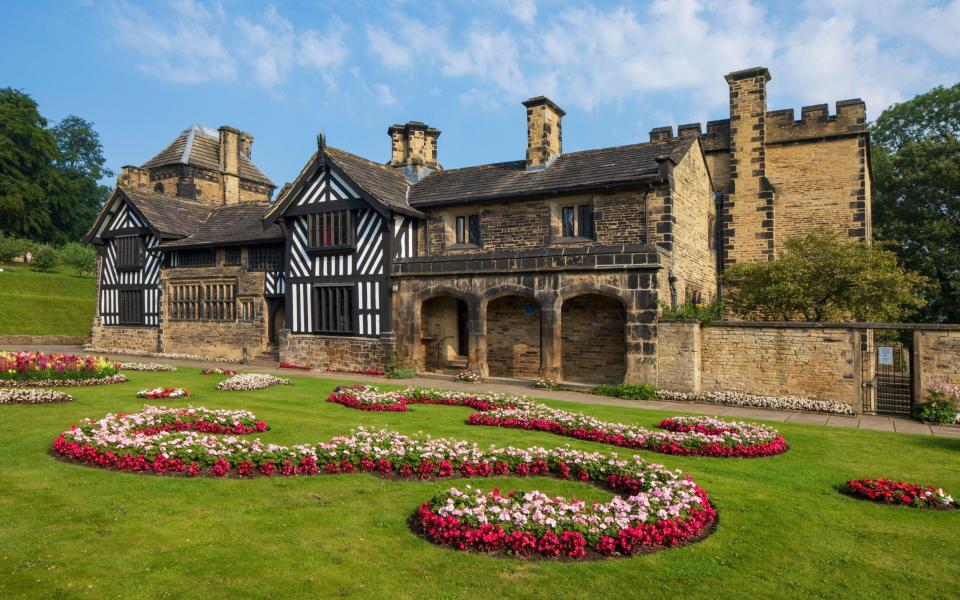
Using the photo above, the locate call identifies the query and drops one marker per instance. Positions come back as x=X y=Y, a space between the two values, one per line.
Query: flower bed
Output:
x=468 y=376
x=886 y=491
x=163 y=392
x=250 y=381
x=141 y=366
x=218 y=371
x=373 y=372
x=702 y=436
x=289 y=365
x=111 y=379
x=174 y=355
x=655 y=507
x=40 y=367
x=31 y=396
x=777 y=402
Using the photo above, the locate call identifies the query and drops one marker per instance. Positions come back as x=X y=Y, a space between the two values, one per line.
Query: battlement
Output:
x=816 y=122
x=716 y=137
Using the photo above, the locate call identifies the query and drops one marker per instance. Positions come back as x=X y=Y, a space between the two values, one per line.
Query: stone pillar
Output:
x=748 y=219
x=230 y=150
x=551 y=345
x=641 y=347
x=477 y=342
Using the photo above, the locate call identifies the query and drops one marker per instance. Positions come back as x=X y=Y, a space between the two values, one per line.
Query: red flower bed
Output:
x=218 y=371
x=289 y=365
x=374 y=372
x=887 y=491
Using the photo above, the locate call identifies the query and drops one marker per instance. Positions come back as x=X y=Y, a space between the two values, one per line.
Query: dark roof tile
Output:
x=231 y=224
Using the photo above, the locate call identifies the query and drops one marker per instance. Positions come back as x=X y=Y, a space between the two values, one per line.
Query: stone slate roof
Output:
x=170 y=216
x=200 y=146
x=386 y=184
x=231 y=224
x=568 y=173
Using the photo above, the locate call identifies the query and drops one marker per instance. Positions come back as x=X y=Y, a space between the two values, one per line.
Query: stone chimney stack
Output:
x=134 y=178
x=413 y=147
x=748 y=219
x=230 y=149
x=544 y=140
x=246 y=144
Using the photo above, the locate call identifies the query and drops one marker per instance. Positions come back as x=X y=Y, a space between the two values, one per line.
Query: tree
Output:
x=27 y=152
x=45 y=259
x=916 y=204
x=77 y=195
x=80 y=257
x=821 y=277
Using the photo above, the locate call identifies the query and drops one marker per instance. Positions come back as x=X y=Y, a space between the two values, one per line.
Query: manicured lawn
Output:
x=73 y=531
x=58 y=303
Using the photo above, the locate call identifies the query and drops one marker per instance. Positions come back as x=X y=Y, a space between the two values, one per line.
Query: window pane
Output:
x=474 y=222
x=585 y=221
x=566 y=221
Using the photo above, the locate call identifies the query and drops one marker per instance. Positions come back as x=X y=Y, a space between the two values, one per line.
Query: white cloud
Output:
x=524 y=11
x=186 y=50
x=192 y=43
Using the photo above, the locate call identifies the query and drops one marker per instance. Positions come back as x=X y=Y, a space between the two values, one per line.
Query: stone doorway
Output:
x=513 y=337
x=278 y=319
x=444 y=334
x=593 y=339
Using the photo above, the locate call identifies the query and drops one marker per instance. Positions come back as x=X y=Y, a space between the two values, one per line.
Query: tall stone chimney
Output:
x=230 y=149
x=413 y=147
x=544 y=140
x=748 y=219
x=246 y=144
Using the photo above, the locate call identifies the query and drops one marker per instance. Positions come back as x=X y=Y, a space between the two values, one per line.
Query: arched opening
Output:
x=513 y=337
x=158 y=188
x=444 y=334
x=593 y=339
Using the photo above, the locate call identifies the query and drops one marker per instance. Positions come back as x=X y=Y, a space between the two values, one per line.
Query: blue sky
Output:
x=143 y=71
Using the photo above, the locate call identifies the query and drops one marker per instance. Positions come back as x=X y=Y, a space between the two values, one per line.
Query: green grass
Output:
x=57 y=303
x=71 y=531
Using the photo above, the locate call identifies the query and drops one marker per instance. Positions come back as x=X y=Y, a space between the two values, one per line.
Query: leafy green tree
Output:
x=79 y=257
x=80 y=166
x=821 y=277
x=916 y=200
x=27 y=152
x=45 y=259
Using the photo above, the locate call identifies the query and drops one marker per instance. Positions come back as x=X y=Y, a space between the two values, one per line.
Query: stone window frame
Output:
x=450 y=228
x=576 y=203
x=246 y=308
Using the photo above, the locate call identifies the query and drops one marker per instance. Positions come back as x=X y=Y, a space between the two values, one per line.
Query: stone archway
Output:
x=593 y=339
x=513 y=337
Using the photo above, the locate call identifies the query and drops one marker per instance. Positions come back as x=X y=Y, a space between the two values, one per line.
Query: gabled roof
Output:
x=231 y=224
x=384 y=185
x=568 y=173
x=199 y=146
x=169 y=216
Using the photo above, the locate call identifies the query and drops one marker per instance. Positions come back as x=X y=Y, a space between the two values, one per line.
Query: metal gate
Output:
x=894 y=363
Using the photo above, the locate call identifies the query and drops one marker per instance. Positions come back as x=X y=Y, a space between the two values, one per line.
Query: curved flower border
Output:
x=109 y=380
x=218 y=371
x=158 y=393
x=901 y=493
x=142 y=366
x=245 y=382
x=654 y=507
x=32 y=396
x=687 y=436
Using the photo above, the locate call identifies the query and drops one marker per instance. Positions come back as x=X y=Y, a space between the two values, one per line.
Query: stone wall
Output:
x=336 y=352
x=513 y=337
x=936 y=356
x=679 y=356
x=693 y=260
x=618 y=217
x=592 y=334
x=137 y=339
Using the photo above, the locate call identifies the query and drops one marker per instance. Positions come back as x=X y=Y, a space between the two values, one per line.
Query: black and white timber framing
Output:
x=379 y=236
x=140 y=281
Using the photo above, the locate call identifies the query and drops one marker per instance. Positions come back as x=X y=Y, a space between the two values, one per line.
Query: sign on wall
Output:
x=885 y=355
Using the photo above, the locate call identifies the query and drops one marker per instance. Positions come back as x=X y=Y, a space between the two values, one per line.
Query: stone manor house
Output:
x=551 y=265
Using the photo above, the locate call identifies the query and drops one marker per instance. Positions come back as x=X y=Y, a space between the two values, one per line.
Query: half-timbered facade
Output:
x=551 y=266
